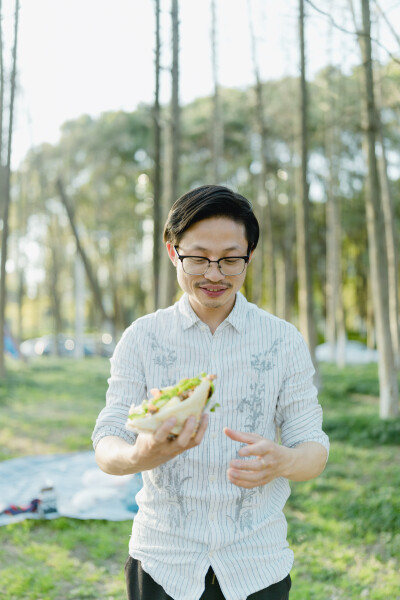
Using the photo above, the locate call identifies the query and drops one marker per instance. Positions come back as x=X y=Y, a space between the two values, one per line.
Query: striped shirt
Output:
x=190 y=516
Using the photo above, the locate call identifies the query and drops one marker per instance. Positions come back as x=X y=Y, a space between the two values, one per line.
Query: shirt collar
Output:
x=188 y=315
x=236 y=317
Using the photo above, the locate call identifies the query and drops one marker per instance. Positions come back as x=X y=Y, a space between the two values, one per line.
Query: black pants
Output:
x=140 y=586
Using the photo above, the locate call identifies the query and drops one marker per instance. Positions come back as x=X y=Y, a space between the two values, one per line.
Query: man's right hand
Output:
x=152 y=450
x=116 y=456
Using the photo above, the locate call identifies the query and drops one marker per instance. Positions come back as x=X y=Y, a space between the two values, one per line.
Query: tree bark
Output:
x=173 y=152
x=21 y=226
x=217 y=126
x=157 y=200
x=175 y=107
x=389 y=407
x=335 y=329
x=54 y=280
x=264 y=198
x=288 y=245
x=390 y=231
x=85 y=259
x=306 y=312
x=7 y=195
x=1 y=96
x=335 y=325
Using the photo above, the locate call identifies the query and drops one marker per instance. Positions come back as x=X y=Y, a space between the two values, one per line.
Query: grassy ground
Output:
x=344 y=527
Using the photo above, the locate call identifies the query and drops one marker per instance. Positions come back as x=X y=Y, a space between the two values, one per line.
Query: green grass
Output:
x=51 y=405
x=63 y=559
x=344 y=527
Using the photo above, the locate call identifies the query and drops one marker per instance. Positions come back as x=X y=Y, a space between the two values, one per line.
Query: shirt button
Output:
x=212 y=517
x=213 y=436
x=212 y=478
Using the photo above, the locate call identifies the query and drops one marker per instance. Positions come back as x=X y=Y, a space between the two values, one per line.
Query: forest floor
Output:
x=344 y=527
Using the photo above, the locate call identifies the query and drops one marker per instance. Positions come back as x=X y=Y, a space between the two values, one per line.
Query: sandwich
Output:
x=189 y=397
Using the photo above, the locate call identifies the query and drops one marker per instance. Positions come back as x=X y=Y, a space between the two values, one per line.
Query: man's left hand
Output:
x=270 y=460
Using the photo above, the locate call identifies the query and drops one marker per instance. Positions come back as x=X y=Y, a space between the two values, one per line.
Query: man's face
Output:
x=213 y=238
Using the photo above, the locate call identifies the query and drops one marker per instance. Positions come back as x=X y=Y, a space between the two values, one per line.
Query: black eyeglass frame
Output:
x=182 y=256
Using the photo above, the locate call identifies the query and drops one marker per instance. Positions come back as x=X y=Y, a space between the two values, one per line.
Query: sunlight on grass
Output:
x=342 y=526
x=50 y=405
x=64 y=559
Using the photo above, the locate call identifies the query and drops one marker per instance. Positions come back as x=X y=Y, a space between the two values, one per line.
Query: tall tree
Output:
x=54 y=270
x=173 y=149
x=335 y=326
x=94 y=284
x=217 y=125
x=263 y=197
x=289 y=250
x=20 y=260
x=389 y=406
x=392 y=244
x=157 y=201
x=335 y=322
x=306 y=310
x=1 y=96
x=175 y=106
x=5 y=188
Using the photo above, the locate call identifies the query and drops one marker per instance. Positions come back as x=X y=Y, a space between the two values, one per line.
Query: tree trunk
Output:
x=289 y=240
x=173 y=153
x=20 y=303
x=335 y=326
x=79 y=276
x=175 y=108
x=389 y=407
x=335 y=331
x=264 y=199
x=7 y=193
x=118 y=273
x=390 y=232
x=306 y=316
x=22 y=219
x=392 y=250
x=157 y=200
x=288 y=246
x=54 y=280
x=1 y=98
x=217 y=126
x=97 y=294
x=258 y=291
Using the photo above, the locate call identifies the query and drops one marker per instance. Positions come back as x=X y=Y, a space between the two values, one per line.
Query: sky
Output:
x=91 y=56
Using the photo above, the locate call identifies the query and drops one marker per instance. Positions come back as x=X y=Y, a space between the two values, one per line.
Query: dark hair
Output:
x=210 y=201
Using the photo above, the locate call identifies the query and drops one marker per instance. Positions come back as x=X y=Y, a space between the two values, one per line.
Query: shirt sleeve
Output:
x=126 y=386
x=299 y=414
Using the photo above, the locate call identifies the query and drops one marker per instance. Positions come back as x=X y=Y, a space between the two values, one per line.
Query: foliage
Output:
x=107 y=167
x=343 y=526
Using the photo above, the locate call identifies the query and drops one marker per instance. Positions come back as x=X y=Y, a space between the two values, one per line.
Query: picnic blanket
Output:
x=70 y=485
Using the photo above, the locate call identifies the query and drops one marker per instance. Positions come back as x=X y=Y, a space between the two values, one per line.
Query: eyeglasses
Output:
x=199 y=265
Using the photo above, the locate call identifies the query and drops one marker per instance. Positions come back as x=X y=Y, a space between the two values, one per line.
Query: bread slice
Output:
x=181 y=409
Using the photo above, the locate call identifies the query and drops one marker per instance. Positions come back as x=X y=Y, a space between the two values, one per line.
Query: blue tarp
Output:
x=11 y=346
x=81 y=489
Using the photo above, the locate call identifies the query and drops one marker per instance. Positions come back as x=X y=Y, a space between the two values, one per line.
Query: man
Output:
x=210 y=523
